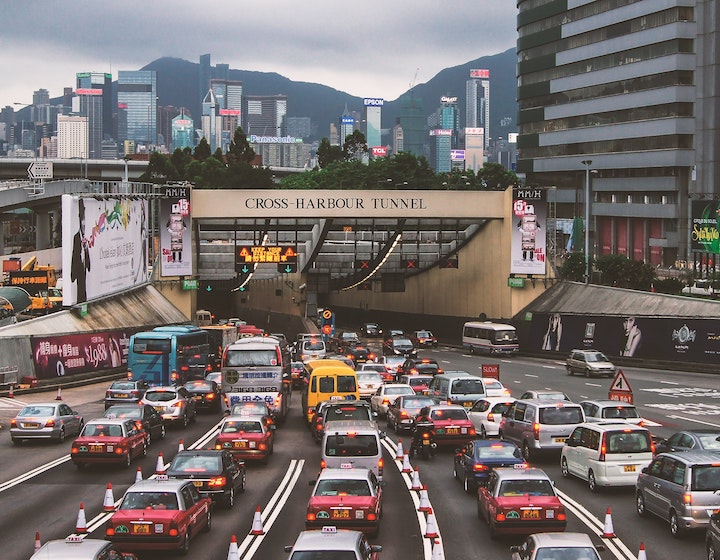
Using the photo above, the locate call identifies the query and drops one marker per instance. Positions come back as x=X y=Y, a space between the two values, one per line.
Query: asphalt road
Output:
x=47 y=500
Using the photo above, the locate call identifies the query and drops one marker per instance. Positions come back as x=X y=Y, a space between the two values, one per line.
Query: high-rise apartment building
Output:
x=373 y=121
x=228 y=96
x=72 y=137
x=265 y=115
x=607 y=98
x=88 y=102
x=398 y=138
x=137 y=92
x=101 y=81
x=477 y=101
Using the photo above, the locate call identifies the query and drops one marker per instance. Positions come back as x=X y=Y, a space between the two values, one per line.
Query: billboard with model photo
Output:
x=104 y=247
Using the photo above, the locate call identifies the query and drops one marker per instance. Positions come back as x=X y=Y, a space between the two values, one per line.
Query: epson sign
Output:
x=373 y=101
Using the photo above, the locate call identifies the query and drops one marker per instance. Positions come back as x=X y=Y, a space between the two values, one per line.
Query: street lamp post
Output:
x=587 y=163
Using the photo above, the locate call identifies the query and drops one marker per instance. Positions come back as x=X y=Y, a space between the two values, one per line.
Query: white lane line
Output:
x=530 y=375
x=670 y=382
x=34 y=472
x=549 y=367
x=445 y=361
x=693 y=420
x=507 y=361
x=517 y=381
x=593 y=384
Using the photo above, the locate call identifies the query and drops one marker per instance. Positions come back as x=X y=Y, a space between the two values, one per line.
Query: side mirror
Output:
x=645 y=470
x=515 y=548
x=287 y=548
x=383 y=435
x=376 y=548
x=571 y=442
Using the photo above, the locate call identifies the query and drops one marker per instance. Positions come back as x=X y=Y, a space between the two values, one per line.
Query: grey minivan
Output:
x=457 y=387
x=681 y=488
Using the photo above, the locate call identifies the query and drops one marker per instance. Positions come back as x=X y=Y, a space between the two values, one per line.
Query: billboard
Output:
x=705 y=233
x=479 y=73
x=175 y=246
x=373 y=101
x=104 y=246
x=379 y=151
x=527 y=252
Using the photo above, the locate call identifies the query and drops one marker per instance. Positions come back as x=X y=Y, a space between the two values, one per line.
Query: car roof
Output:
x=498 y=399
x=530 y=473
x=446 y=407
x=694 y=457
x=548 y=403
x=158 y=485
x=339 y=426
x=614 y=424
x=244 y=417
x=107 y=421
x=343 y=539
x=608 y=402
x=562 y=539
x=60 y=549
x=193 y=452
x=347 y=474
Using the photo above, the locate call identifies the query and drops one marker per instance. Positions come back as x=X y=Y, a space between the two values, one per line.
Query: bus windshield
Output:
x=505 y=336
x=244 y=358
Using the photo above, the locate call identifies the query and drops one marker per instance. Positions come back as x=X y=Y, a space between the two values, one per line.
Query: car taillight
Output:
x=471 y=431
x=210 y=396
x=480 y=468
x=536 y=430
x=136 y=394
x=74 y=449
x=310 y=516
x=371 y=517
x=386 y=401
x=50 y=423
x=119 y=451
x=380 y=464
x=687 y=498
x=490 y=417
x=500 y=516
x=217 y=481
x=403 y=414
x=652 y=446
x=173 y=531
x=13 y=423
x=323 y=463
x=603 y=448
x=174 y=375
x=139 y=425
x=218 y=445
x=130 y=375
x=561 y=516
x=109 y=531
x=278 y=399
x=641 y=423
x=178 y=404
x=108 y=394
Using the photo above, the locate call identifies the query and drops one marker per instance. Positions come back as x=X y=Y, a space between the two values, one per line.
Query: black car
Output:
x=214 y=473
x=419 y=366
x=125 y=391
x=206 y=393
x=686 y=440
x=359 y=354
x=146 y=415
x=399 y=346
x=371 y=330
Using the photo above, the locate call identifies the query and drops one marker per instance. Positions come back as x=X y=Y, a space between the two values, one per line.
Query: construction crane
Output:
x=412 y=84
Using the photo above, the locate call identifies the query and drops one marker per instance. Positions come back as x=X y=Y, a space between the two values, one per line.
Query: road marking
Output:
x=593 y=384
x=693 y=420
x=6 y=402
x=530 y=375
x=34 y=472
x=445 y=361
x=697 y=409
x=651 y=423
x=549 y=367
x=670 y=382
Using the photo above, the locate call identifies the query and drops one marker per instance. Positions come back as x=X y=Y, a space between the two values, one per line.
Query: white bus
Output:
x=490 y=338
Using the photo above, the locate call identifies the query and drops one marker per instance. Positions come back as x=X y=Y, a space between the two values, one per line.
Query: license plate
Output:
x=467 y=404
x=198 y=483
x=341 y=514
x=198 y=397
x=452 y=431
x=121 y=396
x=531 y=514
x=96 y=449
x=629 y=468
x=141 y=529
x=559 y=440
x=240 y=444
x=31 y=425
x=159 y=408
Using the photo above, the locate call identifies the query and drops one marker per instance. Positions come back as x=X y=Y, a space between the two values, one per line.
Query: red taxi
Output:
x=159 y=515
x=348 y=498
x=520 y=500
x=109 y=441
x=246 y=437
x=452 y=424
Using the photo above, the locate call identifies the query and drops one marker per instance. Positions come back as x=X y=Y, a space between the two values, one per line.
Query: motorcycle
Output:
x=423 y=444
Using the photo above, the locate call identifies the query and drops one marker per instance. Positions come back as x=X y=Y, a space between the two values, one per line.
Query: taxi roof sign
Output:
x=329 y=529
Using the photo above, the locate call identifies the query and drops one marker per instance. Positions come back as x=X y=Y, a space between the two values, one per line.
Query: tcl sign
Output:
x=379 y=151
x=373 y=101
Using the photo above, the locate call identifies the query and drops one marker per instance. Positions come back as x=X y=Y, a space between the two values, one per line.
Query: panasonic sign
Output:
x=273 y=139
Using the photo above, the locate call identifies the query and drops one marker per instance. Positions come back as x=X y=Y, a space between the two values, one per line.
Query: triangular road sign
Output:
x=620 y=383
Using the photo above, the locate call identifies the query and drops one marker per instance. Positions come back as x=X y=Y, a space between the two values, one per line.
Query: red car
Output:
x=109 y=441
x=520 y=501
x=346 y=498
x=452 y=424
x=159 y=514
x=246 y=437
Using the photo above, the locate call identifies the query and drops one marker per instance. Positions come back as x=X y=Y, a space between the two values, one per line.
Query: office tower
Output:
x=412 y=119
x=398 y=138
x=166 y=114
x=137 y=91
x=444 y=133
x=347 y=125
x=334 y=136
x=299 y=127
x=228 y=96
x=88 y=103
x=183 y=131
x=264 y=115
x=211 y=121
x=373 y=118
x=222 y=71
x=99 y=81
x=474 y=148
x=606 y=105
x=204 y=74
x=477 y=101
x=72 y=137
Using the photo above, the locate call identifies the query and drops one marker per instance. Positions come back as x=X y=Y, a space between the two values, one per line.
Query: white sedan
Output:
x=387 y=394
x=493 y=388
x=487 y=413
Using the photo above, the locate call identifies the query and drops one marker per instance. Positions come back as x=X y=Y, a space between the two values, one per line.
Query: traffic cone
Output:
x=181 y=446
x=38 y=544
x=437 y=550
x=407 y=467
x=608 y=531
x=160 y=466
x=257 y=525
x=641 y=553
x=424 y=504
x=399 y=452
x=59 y=393
x=233 y=553
x=81 y=523
x=138 y=474
x=11 y=392
x=109 y=501
x=431 y=531
x=416 y=480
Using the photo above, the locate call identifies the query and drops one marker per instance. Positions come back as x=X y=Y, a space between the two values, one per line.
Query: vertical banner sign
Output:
x=175 y=232
x=104 y=247
x=528 y=232
x=705 y=234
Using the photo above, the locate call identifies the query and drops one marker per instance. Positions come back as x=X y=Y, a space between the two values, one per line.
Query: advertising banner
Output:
x=662 y=338
x=175 y=239
x=104 y=247
x=705 y=234
x=71 y=354
x=528 y=233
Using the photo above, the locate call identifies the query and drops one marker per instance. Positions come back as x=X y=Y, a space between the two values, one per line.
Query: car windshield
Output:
x=427 y=368
x=449 y=414
x=423 y=334
x=351 y=445
x=528 y=487
x=244 y=358
x=196 y=463
x=347 y=413
x=373 y=367
x=342 y=487
x=497 y=451
x=416 y=381
x=628 y=442
x=249 y=408
x=149 y=500
x=123 y=385
x=709 y=441
x=102 y=430
x=369 y=377
x=124 y=412
x=399 y=391
x=573 y=553
x=549 y=396
x=706 y=477
x=620 y=412
x=468 y=387
x=237 y=426
x=37 y=411
x=493 y=384
x=596 y=357
x=402 y=342
x=417 y=403
x=323 y=555
x=561 y=415
x=500 y=408
x=161 y=396
x=314 y=345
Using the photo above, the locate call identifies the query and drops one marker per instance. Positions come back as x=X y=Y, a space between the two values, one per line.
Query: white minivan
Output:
x=349 y=444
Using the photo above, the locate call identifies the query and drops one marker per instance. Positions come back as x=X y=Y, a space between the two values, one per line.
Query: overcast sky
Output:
x=367 y=49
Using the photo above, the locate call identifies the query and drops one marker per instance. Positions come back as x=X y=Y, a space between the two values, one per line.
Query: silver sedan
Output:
x=51 y=420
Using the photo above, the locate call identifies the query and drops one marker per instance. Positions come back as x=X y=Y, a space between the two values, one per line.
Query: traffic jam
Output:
x=326 y=447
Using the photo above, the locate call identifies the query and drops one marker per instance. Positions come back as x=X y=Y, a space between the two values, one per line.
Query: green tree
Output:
x=327 y=154
x=574 y=268
x=496 y=177
x=240 y=151
x=202 y=150
x=355 y=146
x=613 y=270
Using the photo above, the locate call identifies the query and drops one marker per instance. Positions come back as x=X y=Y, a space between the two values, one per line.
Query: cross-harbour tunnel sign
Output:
x=277 y=203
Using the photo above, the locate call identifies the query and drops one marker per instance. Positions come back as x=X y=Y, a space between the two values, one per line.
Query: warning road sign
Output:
x=620 y=389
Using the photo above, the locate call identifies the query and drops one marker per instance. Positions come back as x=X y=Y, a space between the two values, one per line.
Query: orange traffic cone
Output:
x=416 y=481
x=109 y=501
x=38 y=544
x=424 y=504
x=81 y=523
x=160 y=465
x=431 y=531
x=641 y=553
x=138 y=474
x=399 y=452
x=59 y=393
x=233 y=553
x=11 y=392
x=437 y=550
x=181 y=446
x=257 y=524
x=406 y=467
x=608 y=531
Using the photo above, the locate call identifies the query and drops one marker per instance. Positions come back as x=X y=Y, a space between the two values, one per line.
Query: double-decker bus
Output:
x=169 y=355
x=490 y=338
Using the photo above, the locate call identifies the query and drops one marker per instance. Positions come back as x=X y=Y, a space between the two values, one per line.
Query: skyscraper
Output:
x=137 y=91
x=477 y=102
x=228 y=96
x=264 y=115
x=88 y=102
x=211 y=129
x=347 y=125
x=99 y=81
x=72 y=137
x=373 y=121
x=183 y=132
x=204 y=75
x=412 y=119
